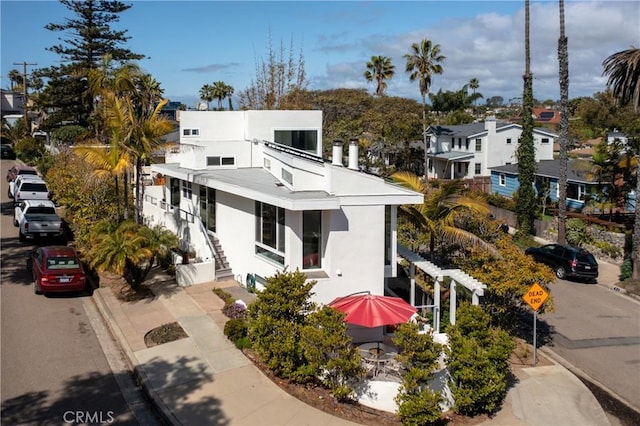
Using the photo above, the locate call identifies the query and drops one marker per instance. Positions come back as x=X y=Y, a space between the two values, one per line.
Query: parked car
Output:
x=566 y=261
x=20 y=170
x=7 y=152
x=56 y=269
x=37 y=218
x=18 y=181
x=31 y=190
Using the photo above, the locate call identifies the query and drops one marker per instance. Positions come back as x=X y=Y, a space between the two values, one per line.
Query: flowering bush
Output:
x=235 y=310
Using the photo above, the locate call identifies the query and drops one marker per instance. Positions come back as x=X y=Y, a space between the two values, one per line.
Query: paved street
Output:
x=54 y=370
x=598 y=331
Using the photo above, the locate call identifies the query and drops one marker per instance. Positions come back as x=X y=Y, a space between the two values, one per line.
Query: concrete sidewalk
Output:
x=204 y=379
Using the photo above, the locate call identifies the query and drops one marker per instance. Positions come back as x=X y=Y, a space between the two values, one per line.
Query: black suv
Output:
x=566 y=261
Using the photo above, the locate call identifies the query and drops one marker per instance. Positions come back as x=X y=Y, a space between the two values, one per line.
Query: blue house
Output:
x=504 y=181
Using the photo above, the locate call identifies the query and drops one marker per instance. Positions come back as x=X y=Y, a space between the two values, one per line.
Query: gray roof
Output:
x=473 y=129
x=551 y=169
x=454 y=155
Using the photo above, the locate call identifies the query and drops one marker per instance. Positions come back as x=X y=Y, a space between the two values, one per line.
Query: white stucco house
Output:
x=249 y=194
x=467 y=151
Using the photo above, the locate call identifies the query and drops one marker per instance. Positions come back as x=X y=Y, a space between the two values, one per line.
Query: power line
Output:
x=24 y=91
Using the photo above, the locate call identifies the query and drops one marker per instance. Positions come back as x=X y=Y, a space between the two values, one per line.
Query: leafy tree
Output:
x=330 y=352
x=423 y=62
x=276 y=318
x=379 y=69
x=275 y=78
x=436 y=215
x=13 y=132
x=525 y=209
x=67 y=135
x=478 y=362
x=89 y=36
x=29 y=149
x=418 y=404
x=623 y=71
x=495 y=101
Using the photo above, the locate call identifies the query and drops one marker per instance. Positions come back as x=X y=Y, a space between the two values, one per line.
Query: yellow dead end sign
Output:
x=535 y=296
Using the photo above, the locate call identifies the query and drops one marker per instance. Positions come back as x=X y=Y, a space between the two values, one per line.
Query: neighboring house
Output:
x=248 y=192
x=617 y=135
x=11 y=102
x=504 y=181
x=467 y=151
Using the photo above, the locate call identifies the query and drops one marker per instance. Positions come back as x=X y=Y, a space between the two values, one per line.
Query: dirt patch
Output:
x=122 y=290
x=631 y=286
x=164 y=334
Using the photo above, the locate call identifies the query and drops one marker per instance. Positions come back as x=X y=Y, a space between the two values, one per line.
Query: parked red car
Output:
x=56 y=269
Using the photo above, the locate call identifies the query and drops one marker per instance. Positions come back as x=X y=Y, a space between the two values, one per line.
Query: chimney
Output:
x=353 y=154
x=490 y=125
x=337 y=153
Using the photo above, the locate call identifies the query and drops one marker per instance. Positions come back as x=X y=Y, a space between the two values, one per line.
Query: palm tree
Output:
x=15 y=80
x=149 y=93
x=623 y=69
x=119 y=249
x=160 y=241
x=436 y=215
x=228 y=93
x=379 y=69
x=219 y=92
x=563 y=60
x=424 y=60
x=206 y=94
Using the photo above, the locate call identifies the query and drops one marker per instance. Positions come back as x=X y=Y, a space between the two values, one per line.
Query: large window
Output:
x=270 y=232
x=208 y=207
x=311 y=239
x=305 y=140
x=576 y=191
x=387 y=235
x=175 y=191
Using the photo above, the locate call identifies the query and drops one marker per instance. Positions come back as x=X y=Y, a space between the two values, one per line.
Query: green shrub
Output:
x=226 y=297
x=243 y=343
x=626 y=269
x=577 y=234
x=236 y=329
x=478 y=362
x=607 y=248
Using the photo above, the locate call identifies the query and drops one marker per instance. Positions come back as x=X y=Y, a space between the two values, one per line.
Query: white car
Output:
x=37 y=218
x=30 y=189
x=18 y=181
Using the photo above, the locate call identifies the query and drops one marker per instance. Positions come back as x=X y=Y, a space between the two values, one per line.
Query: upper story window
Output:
x=478 y=145
x=478 y=168
x=287 y=176
x=267 y=164
x=221 y=161
x=466 y=144
x=545 y=140
x=190 y=132
x=508 y=141
x=304 y=140
x=503 y=179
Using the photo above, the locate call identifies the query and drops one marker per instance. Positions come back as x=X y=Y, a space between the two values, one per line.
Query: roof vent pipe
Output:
x=337 y=152
x=353 y=154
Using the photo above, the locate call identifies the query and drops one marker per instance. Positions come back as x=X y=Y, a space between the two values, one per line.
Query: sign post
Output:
x=535 y=297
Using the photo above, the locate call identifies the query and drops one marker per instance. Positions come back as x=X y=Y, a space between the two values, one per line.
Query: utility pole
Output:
x=25 y=100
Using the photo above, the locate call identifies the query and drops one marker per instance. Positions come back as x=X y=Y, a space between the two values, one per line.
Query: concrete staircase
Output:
x=223 y=270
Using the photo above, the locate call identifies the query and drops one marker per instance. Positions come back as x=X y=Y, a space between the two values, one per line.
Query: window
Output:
x=221 y=161
x=478 y=145
x=267 y=164
x=508 y=141
x=270 y=232
x=190 y=132
x=208 y=207
x=305 y=140
x=545 y=140
x=311 y=238
x=387 y=235
x=459 y=143
x=175 y=192
x=576 y=191
x=187 y=189
x=478 y=168
x=503 y=179
x=466 y=144
x=287 y=176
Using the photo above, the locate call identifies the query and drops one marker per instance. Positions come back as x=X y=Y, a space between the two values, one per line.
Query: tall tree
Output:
x=219 y=92
x=206 y=94
x=89 y=37
x=474 y=84
x=525 y=208
x=563 y=139
x=424 y=60
x=15 y=80
x=380 y=69
x=623 y=70
x=228 y=93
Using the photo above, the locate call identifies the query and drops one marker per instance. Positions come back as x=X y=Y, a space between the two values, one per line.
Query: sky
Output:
x=192 y=43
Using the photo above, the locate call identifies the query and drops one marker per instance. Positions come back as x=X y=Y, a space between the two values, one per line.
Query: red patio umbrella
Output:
x=370 y=310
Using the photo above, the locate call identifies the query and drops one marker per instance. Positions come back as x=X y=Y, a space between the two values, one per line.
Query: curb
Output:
x=167 y=415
